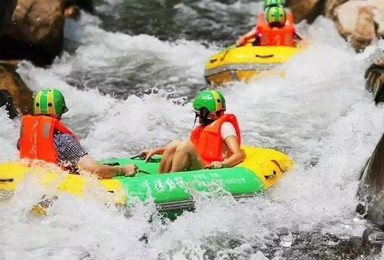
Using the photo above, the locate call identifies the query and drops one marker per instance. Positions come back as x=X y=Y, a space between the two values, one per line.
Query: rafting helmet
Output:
x=212 y=100
x=270 y=3
x=49 y=102
x=276 y=16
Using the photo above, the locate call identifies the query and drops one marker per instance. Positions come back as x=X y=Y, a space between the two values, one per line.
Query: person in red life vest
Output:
x=44 y=137
x=215 y=143
x=274 y=28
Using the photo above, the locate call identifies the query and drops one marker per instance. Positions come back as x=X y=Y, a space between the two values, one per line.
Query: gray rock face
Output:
x=371 y=189
x=6 y=10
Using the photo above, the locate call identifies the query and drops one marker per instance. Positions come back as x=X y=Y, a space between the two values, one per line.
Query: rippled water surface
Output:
x=129 y=75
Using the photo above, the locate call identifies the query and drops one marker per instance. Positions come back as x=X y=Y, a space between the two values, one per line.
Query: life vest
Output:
x=208 y=140
x=273 y=36
x=36 y=137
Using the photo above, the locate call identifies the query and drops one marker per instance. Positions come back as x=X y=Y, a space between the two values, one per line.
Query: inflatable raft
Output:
x=246 y=62
x=250 y=61
x=261 y=169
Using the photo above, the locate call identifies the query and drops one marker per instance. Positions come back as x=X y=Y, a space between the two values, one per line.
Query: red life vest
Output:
x=208 y=140
x=274 y=36
x=36 y=137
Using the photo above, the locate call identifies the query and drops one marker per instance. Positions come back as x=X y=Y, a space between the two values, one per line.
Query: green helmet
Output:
x=276 y=15
x=270 y=3
x=213 y=100
x=49 y=102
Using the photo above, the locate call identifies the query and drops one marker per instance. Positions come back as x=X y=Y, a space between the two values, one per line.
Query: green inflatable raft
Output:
x=261 y=169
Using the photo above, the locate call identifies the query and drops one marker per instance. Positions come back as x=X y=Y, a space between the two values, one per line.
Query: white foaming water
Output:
x=9 y=132
x=319 y=113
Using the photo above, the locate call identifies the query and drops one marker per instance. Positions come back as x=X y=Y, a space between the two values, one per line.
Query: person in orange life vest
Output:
x=44 y=137
x=215 y=143
x=274 y=28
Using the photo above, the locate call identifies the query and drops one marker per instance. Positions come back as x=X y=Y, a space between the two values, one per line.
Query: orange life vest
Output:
x=273 y=36
x=36 y=137
x=208 y=140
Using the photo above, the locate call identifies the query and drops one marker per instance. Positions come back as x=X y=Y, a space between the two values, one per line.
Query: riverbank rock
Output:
x=359 y=21
x=10 y=81
x=35 y=32
x=6 y=11
x=308 y=9
x=7 y=101
x=374 y=80
x=86 y=5
x=371 y=188
x=330 y=6
x=356 y=23
x=72 y=12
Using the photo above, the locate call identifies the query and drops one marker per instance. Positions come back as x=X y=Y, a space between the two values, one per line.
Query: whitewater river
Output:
x=129 y=75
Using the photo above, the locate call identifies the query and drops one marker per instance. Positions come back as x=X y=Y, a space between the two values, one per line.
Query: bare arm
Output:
x=88 y=164
x=148 y=153
x=238 y=154
x=243 y=39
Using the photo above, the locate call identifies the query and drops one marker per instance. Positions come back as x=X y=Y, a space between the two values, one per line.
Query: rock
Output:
x=330 y=7
x=308 y=9
x=7 y=101
x=86 y=5
x=35 y=33
x=379 y=16
x=6 y=10
x=374 y=82
x=14 y=85
x=371 y=187
x=38 y=21
x=364 y=32
x=355 y=20
x=72 y=12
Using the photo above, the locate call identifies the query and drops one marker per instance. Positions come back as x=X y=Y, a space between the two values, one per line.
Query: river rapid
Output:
x=129 y=74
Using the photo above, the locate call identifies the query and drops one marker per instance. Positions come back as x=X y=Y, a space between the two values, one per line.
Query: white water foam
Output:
x=319 y=113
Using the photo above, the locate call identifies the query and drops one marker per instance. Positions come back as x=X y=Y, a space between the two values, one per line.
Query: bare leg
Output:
x=186 y=158
x=166 y=160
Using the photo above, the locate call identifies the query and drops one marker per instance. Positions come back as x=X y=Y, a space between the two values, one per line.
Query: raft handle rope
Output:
x=143 y=157
x=118 y=164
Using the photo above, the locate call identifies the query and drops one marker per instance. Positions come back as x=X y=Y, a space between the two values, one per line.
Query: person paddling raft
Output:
x=275 y=27
x=214 y=143
x=44 y=137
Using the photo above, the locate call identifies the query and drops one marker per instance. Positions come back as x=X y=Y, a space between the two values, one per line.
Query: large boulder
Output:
x=308 y=9
x=360 y=21
x=86 y=5
x=6 y=10
x=374 y=79
x=330 y=7
x=14 y=85
x=371 y=188
x=35 y=33
x=355 y=21
x=7 y=101
x=379 y=17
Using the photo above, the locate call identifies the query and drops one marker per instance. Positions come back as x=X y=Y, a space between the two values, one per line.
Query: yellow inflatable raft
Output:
x=261 y=169
x=246 y=63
